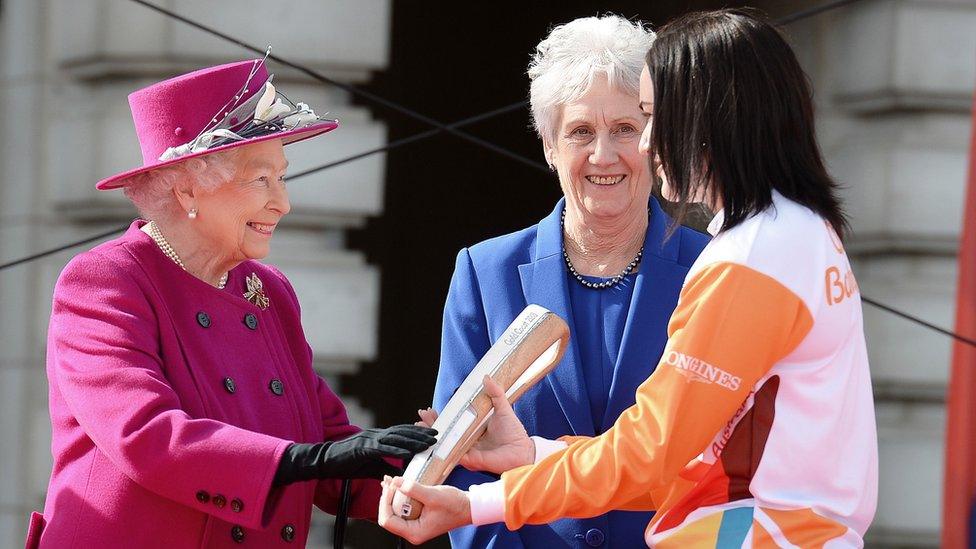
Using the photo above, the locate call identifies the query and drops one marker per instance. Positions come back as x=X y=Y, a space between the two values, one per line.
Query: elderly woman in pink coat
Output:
x=184 y=406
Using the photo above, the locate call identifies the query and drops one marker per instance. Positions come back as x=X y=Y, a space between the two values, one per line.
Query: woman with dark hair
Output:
x=757 y=427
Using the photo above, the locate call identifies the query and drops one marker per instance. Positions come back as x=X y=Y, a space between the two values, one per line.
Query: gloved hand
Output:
x=359 y=456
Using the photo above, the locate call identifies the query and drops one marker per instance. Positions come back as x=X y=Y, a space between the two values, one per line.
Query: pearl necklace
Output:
x=169 y=252
x=606 y=283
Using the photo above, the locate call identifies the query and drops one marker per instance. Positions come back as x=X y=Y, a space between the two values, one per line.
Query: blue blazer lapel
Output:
x=544 y=283
x=656 y=288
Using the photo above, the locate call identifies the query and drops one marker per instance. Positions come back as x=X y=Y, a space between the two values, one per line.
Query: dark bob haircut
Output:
x=733 y=117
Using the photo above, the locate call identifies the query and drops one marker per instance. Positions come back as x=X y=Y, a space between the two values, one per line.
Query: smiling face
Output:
x=238 y=218
x=601 y=171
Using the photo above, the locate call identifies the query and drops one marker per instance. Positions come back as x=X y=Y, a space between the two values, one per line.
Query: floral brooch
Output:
x=255 y=292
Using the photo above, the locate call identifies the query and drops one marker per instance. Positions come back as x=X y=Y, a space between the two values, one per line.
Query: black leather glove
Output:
x=359 y=456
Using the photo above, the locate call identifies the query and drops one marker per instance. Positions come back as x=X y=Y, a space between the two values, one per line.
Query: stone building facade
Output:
x=893 y=81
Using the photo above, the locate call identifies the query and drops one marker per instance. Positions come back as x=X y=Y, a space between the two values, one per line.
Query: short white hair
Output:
x=565 y=63
x=152 y=191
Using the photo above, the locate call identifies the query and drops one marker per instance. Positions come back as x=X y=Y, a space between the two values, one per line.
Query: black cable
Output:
x=46 y=253
x=389 y=146
x=351 y=89
x=917 y=320
x=441 y=127
x=412 y=139
x=99 y=236
x=451 y=128
x=810 y=12
x=398 y=143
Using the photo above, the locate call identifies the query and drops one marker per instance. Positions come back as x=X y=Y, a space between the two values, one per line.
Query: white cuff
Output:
x=487 y=502
x=545 y=447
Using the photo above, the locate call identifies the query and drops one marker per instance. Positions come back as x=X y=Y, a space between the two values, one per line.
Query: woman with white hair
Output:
x=601 y=260
x=185 y=410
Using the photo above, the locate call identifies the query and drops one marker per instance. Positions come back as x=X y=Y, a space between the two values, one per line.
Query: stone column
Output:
x=22 y=383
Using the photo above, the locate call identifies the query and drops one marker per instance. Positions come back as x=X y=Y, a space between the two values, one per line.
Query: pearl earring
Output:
x=192 y=214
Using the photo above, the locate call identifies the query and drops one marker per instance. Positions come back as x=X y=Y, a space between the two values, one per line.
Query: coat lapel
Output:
x=656 y=289
x=544 y=283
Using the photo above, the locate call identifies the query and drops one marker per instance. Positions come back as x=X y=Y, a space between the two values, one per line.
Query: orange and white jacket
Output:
x=757 y=428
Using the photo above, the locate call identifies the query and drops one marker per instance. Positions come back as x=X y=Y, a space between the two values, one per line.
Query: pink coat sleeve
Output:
x=364 y=494
x=104 y=334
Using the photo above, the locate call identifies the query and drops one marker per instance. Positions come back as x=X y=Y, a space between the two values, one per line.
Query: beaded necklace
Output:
x=606 y=283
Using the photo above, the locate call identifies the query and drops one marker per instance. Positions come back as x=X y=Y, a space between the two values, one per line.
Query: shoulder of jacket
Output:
x=508 y=248
x=109 y=258
x=690 y=245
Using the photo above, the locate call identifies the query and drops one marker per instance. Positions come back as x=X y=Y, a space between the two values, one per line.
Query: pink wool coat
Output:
x=171 y=404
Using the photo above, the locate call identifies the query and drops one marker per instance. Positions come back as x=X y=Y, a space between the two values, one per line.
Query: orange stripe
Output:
x=805 y=528
x=760 y=537
x=960 y=455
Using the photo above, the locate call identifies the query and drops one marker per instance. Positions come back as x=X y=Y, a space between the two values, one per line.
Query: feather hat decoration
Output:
x=211 y=110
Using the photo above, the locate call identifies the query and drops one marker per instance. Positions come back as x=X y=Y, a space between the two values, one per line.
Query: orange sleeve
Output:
x=647 y=501
x=732 y=324
x=572 y=439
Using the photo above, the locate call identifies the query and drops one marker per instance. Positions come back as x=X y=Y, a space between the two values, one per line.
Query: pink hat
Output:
x=211 y=110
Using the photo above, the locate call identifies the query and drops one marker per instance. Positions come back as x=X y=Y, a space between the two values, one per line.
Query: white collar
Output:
x=716 y=224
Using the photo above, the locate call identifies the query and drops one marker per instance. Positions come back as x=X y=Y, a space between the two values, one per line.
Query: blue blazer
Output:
x=493 y=281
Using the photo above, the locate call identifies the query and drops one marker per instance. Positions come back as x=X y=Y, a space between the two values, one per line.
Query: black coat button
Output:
x=251 y=321
x=594 y=537
x=277 y=387
x=203 y=319
x=203 y=496
x=236 y=505
x=230 y=385
x=219 y=501
x=237 y=533
x=288 y=532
